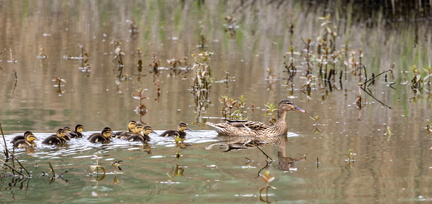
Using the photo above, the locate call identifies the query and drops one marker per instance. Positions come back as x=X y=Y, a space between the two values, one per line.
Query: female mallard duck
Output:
x=21 y=137
x=27 y=141
x=144 y=137
x=179 y=132
x=256 y=129
x=104 y=137
x=77 y=133
x=137 y=131
x=56 y=139
x=131 y=125
x=68 y=132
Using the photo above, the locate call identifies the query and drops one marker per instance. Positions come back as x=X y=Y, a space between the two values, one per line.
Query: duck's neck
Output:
x=281 y=115
x=281 y=123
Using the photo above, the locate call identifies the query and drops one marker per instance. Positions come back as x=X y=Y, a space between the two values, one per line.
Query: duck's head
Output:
x=30 y=137
x=79 y=128
x=27 y=133
x=67 y=129
x=107 y=132
x=138 y=128
x=131 y=125
x=61 y=132
x=148 y=130
x=288 y=105
x=183 y=127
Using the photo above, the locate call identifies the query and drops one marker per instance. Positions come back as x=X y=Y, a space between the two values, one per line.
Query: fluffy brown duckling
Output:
x=68 y=132
x=179 y=132
x=142 y=137
x=104 y=137
x=131 y=125
x=20 y=137
x=78 y=131
x=27 y=141
x=258 y=129
x=56 y=139
x=137 y=130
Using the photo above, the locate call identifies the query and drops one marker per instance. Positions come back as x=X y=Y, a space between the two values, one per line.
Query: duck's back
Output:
x=242 y=128
x=16 y=138
x=22 y=143
x=137 y=137
x=76 y=135
x=172 y=133
x=98 y=138
x=53 y=140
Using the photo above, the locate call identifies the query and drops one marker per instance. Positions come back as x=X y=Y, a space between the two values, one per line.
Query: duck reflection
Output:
x=285 y=163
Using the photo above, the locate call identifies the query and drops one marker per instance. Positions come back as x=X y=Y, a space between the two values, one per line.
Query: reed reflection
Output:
x=202 y=83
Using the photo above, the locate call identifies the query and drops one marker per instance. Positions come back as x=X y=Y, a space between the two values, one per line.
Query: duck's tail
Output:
x=219 y=127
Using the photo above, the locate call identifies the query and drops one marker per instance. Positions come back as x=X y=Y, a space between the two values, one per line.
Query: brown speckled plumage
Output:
x=258 y=129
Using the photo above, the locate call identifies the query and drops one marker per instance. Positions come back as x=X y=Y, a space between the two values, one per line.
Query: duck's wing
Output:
x=252 y=125
x=170 y=133
x=16 y=138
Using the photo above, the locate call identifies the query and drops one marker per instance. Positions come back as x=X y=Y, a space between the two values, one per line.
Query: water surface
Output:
x=376 y=154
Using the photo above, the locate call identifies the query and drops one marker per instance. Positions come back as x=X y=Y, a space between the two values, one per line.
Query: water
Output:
x=375 y=154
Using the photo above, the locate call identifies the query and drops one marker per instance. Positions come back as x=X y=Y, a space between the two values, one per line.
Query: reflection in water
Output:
x=285 y=163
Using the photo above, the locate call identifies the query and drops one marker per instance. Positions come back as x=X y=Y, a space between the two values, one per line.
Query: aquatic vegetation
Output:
x=96 y=167
x=141 y=109
x=349 y=159
x=42 y=56
x=428 y=126
x=231 y=25
x=58 y=84
x=116 y=165
x=232 y=108
x=271 y=111
x=202 y=82
x=118 y=61
x=55 y=176
x=388 y=133
x=83 y=58
x=267 y=178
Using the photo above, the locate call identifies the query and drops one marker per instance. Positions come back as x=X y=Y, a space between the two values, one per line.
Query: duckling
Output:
x=258 y=129
x=144 y=137
x=28 y=141
x=137 y=131
x=77 y=133
x=104 y=137
x=56 y=139
x=20 y=137
x=131 y=125
x=180 y=132
x=68 y=132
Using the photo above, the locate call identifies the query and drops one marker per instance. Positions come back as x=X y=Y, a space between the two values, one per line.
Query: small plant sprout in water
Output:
x=267 y=178
x=350 y=158
x=232 y=108
x=271 y=110
x=58 y=84
x=316 y=118
x=42 y=56
x=54 y=176
x=388 y=133
x=116 y=165
x=96 y=167
x=428 y=126
x=179 y=145
x=141 y=109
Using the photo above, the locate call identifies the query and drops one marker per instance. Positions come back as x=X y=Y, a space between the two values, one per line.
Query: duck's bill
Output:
x=300 y=109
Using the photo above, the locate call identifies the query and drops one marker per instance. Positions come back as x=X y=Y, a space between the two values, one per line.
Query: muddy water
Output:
x=379 y=153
